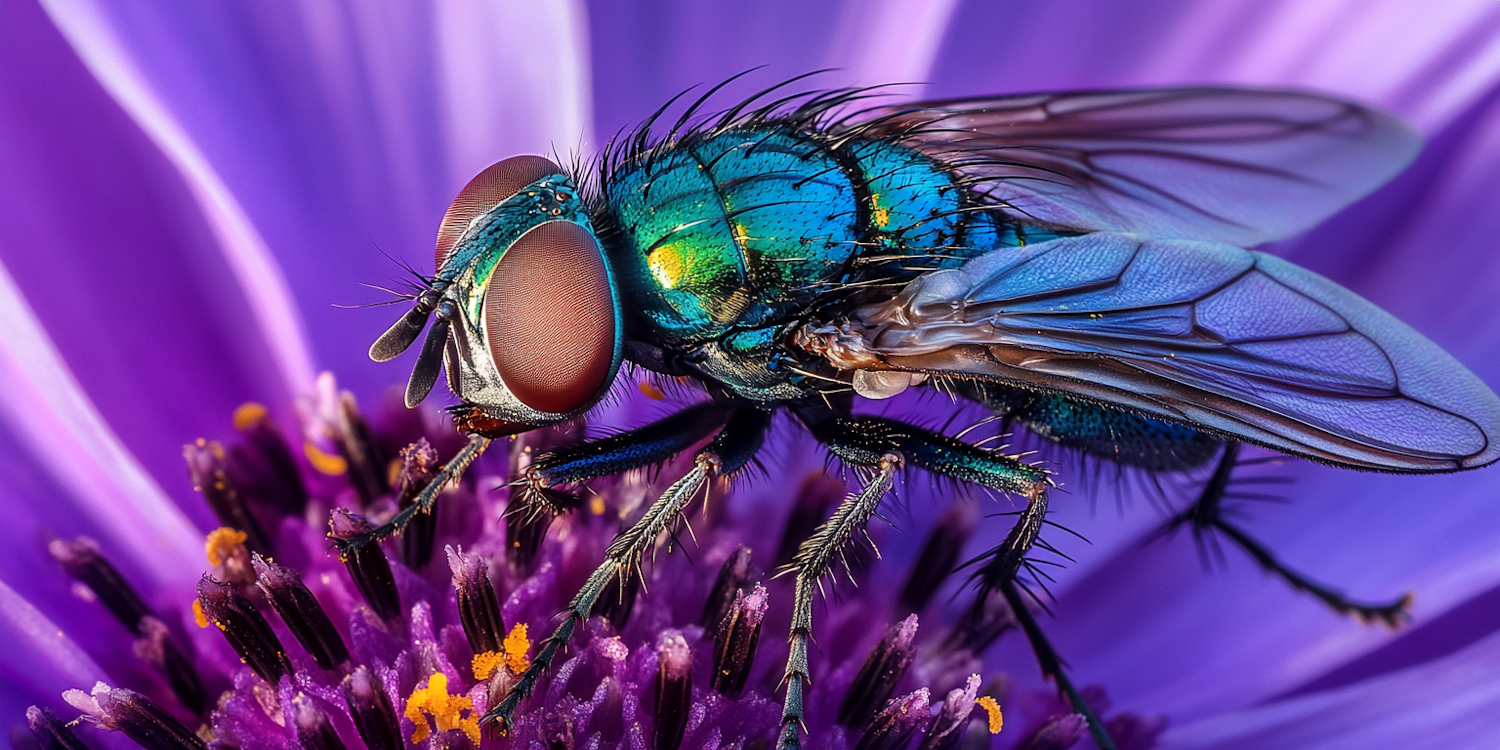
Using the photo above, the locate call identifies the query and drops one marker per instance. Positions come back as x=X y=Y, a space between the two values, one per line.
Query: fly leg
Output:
x=1206 y=516
x=885 y=445
x=813 y=560
x=653 y=443
x=451 y=472
x=729 y=451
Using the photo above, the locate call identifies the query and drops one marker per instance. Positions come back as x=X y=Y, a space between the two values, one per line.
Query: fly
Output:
x=1075 y=262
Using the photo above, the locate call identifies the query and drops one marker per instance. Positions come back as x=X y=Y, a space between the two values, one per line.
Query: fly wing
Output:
x=1240 y=166
x=1235 y=342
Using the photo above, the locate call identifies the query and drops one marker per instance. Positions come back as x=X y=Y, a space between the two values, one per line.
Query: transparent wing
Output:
x=1240 y=166
x=1232 y=341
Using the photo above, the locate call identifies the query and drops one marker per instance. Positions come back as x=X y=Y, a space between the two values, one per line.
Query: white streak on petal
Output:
x=515 y=80
x=37 y=654
x=891 y=41
x=50 y=411
x=270 y=299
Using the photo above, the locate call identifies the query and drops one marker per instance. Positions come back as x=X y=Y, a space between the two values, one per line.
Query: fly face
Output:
x=528 y=316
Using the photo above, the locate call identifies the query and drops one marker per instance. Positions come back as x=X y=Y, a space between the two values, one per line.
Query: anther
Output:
x=157 y=647
x=419 y=464
x=314 y=731
x=81 y=560
x=372 y=710
x=952 y=721
x=733 y=576
x=1058 y=733
x=877 y=678
x=301 y=612
x=446 y=711
x=674 y=692
x=50 y=732
x=208 y=468
x=939 y=557
x=261 y=463
x=226 y=552
x=735 y=642
x=892 y=728
x=357 y=445
x=135 y=716
x=244 y=627
x=367 y=565
x=815 y=498
x=478 y=607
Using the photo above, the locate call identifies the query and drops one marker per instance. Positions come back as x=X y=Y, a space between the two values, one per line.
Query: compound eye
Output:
x=549 y=314
x=497 y=182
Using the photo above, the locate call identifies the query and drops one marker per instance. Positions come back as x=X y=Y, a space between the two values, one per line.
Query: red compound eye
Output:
x=497 y=182
x=550 y=318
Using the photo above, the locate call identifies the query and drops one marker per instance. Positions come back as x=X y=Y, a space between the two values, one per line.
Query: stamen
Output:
x=478 y=607
x=815 y=498
x=50 y=732
x=892 y=728
x=301 y=612
x=363 y=456
x=517 y=650
x=226 y=552
x=261 y=464
x=81 y=560
x=367 y=565
x=733 y=576
x=371 y=708
x=674 y=691
x=939 y=557
x=314 y=731
x=997 y=720
x=157 y=647
x=952 y=721
x=447 y=711
x=138 y=718
x=244 y=627
x=735 y=642
x=208 y=469
x=877 y=678
x=486 y=664
x=1058 y=733
x=419 y=464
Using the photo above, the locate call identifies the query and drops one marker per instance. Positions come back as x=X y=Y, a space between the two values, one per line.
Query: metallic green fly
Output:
x=1076 y=262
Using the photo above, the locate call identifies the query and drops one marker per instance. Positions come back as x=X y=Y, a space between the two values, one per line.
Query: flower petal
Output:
x=1448 y=703
x=39 y=661
x=110 y=496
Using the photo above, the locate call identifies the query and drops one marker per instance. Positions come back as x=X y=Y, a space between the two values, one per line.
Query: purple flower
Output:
x=187 y=192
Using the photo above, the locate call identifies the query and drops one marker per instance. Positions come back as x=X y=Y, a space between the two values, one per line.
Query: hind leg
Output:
x=1206 y=517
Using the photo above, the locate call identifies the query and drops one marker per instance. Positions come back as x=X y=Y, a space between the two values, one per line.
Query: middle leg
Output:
x=884 y=446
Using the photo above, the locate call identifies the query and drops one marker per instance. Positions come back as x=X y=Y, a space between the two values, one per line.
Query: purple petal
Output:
x=109 y=495
x=340 y=130
x=38 y=662
x=1448 y=703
